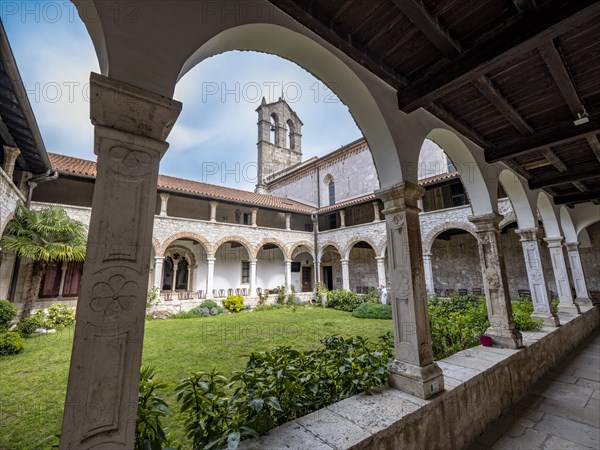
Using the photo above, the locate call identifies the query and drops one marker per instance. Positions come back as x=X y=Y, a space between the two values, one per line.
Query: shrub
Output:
x=234 y=303
x=7 y=314
x=373 y=311
x=212 y=305
x=29 y=325
x=371 y=296
x=11 y=343
x=343 y=300
x=522 y=310
x=59 y=316
x=281 y=296
x=150 y=433
x=153 y=297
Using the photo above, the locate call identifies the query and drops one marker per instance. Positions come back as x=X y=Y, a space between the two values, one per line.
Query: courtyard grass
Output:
x=33 y=385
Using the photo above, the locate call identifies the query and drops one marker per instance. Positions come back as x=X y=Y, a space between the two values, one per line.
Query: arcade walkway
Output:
x=561 y=412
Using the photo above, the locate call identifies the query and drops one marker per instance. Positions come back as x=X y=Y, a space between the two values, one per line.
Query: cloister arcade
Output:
x=131 y=138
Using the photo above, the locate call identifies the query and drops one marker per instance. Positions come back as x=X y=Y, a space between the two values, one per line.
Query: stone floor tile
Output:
x=564 y=378
x=596 y=395
x=556 y=443
x=527 y=440
x=290 y=436
x=570 y=430
x=584 y=382
x=593 y=403
x=333 y=429
x=565 y=392
x=588 y=374
x=568 y=411
x=457 y=372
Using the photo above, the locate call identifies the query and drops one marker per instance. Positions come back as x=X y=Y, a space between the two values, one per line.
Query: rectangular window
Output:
x=331 y=193
x=245 y=272
x=332 y=221
x=51 y=281
x=247 y=219
x=308 y=227
x=296 y=266
x=458 y=194
x=72 y=279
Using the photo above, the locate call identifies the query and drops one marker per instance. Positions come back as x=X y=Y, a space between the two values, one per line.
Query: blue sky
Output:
x=217 y=127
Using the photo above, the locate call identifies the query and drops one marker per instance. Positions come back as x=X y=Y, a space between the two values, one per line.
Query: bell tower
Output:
x=279 y=140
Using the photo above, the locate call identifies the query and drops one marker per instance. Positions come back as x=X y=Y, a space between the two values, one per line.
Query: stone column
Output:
x=254 y=214
x=502 y=328
x=381 y=271
x=164 y=200
x=6 y=269
x=158 y=268
x=210 y=275
x=583 y=296
x=345 y=274
x=288 y=273
x=61 y=286
x=287 y=221
x=131 y=125
x=213 y=211
x=253 y=277
x=428 y=274
x=413 y=370
x=10 y=158
x=566 y=305
x=175 y=269
x=342 y=218
x=191 y=278
x=540 y=296
x=376 y=212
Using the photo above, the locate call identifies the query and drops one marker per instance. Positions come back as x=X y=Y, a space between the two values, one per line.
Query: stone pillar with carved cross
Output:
x=131 y=125
x=583 y=297
x=164 y=202
x=428 y=273
x=540 y=296
x=413 y=370
x=10 y=158
x=381 y=271
x=502 y=330
x=210 y=275
x=345 y=274
x=567 y=308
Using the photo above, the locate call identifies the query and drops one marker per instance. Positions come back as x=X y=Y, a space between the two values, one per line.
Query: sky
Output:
x=214 y=139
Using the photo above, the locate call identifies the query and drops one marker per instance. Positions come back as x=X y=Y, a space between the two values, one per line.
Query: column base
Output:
x=584 y=303
x=549 y=320
x=505 y=338
x=568 y=310
x=422 y=382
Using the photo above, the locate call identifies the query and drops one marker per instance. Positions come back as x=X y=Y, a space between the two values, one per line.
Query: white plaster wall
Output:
x=270 y=269
x=432 y=160
x=228 y=268
x=303 y=189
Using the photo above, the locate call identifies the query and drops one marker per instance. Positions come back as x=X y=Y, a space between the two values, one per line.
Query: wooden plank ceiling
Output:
x=514 y=76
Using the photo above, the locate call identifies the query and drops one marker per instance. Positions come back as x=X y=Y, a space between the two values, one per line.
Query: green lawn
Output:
x=33 y=384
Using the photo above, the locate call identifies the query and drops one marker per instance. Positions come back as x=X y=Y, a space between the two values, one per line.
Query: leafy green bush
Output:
x=522 y=310
x=371 y=296
x=210 y=304
x=554 y=305
x=373 y=311
x=150 y=433
x=59 y=316
x=234 y=303
x=29 y=325
x=281 y=295
x=343 y=300
x=7 y=314
x=11 y=343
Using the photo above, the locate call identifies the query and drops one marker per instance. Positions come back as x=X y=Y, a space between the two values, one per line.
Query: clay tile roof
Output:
x=353 y=201
x=437 y=178
x=86 y=168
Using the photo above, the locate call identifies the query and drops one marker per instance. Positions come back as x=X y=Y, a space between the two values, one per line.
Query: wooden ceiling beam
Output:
x=493 y=95
x=594 y=144
x=554 y=160
x=580 y=173
x=521 y=170
x=429 y=26
x=537 y=164
x=525 y=5
x=559 y=72
x=5 y=134
x=579 y=185
x=341 y=41
x=442 y=113
x=533 y=29
x=541 y=141
x=577 y=198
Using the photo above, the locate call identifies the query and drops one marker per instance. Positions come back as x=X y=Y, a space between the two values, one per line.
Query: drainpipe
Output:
x=315 y=219
x=49 y=175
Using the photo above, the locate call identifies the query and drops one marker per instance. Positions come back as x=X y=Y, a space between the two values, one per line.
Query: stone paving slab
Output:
x=290 y=436
x=568 y=429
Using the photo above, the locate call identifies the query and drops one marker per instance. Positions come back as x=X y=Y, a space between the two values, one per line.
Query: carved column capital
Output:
x=400 y=196
x=554 y=242
x=10 y=158
x=572 y=246
x=528 y=234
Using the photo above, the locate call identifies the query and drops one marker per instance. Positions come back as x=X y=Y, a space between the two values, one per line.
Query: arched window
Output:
x=182 y=275
x=274 y=138
x=290 y=139
x=167 y=283
x=331 y=192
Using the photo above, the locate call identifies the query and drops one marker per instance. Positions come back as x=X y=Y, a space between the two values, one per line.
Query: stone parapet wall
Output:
x=9 y=196
x=481 y=384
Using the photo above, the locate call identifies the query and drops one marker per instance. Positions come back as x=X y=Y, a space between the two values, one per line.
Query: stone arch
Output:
x=548 y=213
x=156 y=246
x=508 y=219
x=181 y=249
x=355 y=240
x=240 y=240
x=273 y=241
x=567 y=225
x=326 y=244
x=522 y=210
x=383 y=249
x=9 y=217
x=298 y=244
x=184 y=234
x=440 y=228
x=482 y=196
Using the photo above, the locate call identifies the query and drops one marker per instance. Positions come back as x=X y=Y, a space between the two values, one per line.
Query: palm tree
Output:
x=43 y=236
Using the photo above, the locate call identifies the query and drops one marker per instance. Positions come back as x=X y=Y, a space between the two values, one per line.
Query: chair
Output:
x=258 y=291
x=229 y=292
x=462 y=292
x=168 y=296
x=359 y=289
x=524 y=293
x=244 y=291
x=215 y=293
x=221 y=292
x=476 y=291
x=200 y=294
x=238 y=291
x=448 y=292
